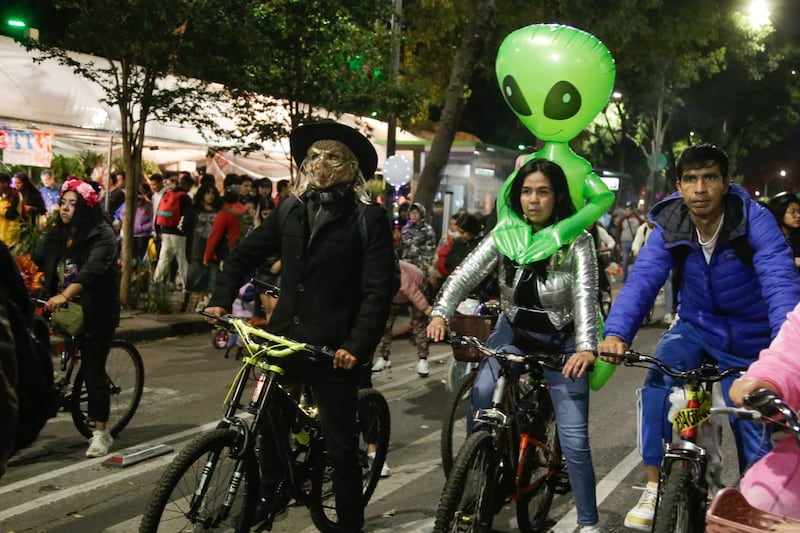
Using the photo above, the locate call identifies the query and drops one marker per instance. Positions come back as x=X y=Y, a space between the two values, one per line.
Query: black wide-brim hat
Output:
x=302 y=137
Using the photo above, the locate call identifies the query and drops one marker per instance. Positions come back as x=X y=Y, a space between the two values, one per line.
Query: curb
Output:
x=142 y=328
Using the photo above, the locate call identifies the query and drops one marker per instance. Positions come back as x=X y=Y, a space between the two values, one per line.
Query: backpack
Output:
x=169 y=213
x=36 y=391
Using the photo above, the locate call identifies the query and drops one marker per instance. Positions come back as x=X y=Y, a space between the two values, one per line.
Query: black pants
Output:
x=338 y=404
x=94 y=352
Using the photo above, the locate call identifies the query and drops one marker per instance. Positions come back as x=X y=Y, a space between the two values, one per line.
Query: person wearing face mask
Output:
x=339 y=274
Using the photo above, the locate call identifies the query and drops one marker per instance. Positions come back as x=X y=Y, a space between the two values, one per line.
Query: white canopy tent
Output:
x=49 y=97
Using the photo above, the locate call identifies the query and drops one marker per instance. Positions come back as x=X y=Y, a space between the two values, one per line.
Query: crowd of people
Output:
x=732 y=264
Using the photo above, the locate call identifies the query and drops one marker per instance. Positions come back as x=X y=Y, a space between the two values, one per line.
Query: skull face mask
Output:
x=328 y=163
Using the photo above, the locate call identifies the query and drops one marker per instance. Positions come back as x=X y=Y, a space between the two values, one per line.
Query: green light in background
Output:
x=16 y=23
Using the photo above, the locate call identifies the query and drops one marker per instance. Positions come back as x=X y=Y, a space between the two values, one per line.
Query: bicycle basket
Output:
x=476 y=326
x=730 y=513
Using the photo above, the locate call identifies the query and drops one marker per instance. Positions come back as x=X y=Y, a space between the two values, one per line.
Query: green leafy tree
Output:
x=470 y=49
x=139 y=44
x=317 y=59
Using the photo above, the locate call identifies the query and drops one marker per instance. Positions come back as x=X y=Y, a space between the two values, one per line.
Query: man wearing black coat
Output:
x=338 y=276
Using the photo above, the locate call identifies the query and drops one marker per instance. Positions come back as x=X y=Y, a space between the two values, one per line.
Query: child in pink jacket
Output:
x=773 y=483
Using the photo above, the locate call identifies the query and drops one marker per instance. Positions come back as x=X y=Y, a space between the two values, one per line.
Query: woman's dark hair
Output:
x=201 y=193
x=208 y=179
x=778 y=205
x=83 y=221
x=26 y=181
x=558 y=181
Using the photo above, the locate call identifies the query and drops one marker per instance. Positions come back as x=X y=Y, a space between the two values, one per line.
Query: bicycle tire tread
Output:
x=77 y=415
x=449 y=421
x=677 y=489
x=454 y=487
x=194 y=451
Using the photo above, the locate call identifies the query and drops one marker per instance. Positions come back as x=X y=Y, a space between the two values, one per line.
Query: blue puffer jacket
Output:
x=740 y=307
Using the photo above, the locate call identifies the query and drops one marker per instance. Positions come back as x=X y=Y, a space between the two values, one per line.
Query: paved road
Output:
x=52 y=487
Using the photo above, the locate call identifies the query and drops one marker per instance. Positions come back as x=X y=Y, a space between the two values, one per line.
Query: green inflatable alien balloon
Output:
x=556 y=79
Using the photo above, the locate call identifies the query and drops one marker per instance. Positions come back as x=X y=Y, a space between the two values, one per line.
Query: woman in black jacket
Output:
x=79 y=258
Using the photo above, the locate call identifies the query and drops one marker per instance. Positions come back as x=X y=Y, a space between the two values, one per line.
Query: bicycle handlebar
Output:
x=707 y=373
x=276 y=346
x=553 y=361
x=764 y=404
x=267 y=288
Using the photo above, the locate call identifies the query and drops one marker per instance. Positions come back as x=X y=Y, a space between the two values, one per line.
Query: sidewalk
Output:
x=138 y=326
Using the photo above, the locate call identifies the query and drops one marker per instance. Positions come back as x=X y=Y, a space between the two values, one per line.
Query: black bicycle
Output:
x=518 y=456
x=213 y=484
x=683 y=486
x=124 y=374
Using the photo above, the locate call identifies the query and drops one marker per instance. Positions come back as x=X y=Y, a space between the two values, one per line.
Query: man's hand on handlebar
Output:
x=437 y=329
x=612 y=344
x=344 y=359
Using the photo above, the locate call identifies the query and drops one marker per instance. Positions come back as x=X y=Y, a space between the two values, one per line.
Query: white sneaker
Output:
x=641 y=516
x=422 y=368
x=100 y=444
x=590 y=529
x=381 y=364
x=385 y=470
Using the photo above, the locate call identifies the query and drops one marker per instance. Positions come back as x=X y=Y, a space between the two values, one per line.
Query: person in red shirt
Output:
x=226 y=230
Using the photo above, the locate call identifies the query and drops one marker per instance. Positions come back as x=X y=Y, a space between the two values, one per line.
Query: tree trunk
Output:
x=472 y=44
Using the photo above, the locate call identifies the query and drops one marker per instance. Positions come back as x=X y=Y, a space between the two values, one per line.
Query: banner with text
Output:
x=26 y=147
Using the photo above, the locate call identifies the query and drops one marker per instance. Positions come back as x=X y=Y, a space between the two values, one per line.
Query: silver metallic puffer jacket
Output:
x=568 y=294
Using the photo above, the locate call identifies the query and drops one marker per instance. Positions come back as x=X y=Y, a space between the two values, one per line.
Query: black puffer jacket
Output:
x=336 y=285
x=98 y=272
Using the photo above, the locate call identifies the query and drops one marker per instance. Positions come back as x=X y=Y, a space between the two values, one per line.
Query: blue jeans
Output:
x=627 y=258
x=571 y=405
x=684 y=347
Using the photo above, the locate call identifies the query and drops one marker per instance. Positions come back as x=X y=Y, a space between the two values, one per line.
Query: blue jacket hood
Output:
x=738 y=306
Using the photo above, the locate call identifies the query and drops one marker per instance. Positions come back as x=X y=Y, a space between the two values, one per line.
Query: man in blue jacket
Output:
x=738 y=281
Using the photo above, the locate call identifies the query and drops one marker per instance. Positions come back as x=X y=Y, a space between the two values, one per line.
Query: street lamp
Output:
x=758 y=14
x=781 y=173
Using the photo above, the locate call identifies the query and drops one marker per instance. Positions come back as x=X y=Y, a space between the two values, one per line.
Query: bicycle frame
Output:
x=510 y=420
x=687 y=423
x=267 y=386
x=686 y=452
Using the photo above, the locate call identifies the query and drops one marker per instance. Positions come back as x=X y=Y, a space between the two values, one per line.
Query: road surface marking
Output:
x=606 y=486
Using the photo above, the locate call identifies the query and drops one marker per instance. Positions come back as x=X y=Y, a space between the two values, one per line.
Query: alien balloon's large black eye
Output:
x=562 y=102
x=513 y=95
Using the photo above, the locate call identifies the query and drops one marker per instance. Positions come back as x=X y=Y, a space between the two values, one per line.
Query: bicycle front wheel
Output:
x=125 y=376
x=454 y=372
x=375 y=426
x=454 y=422
x=467 y=502
x=681 y=507
x=205 y=488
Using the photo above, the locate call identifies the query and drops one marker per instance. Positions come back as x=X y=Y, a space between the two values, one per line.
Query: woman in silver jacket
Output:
x=550 y=305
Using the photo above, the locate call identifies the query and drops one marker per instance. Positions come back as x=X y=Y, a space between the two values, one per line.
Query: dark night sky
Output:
x=785 y=15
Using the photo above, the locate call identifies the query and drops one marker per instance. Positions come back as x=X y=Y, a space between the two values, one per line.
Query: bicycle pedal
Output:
x=561 y=483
